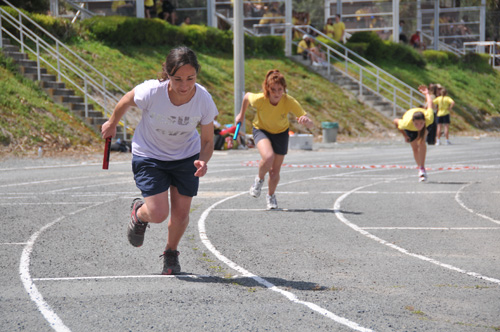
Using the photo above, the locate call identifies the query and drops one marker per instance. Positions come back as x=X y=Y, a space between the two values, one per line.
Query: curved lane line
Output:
x=292 y=297
x=24 y=272
x=457 y=198
x=360 y=230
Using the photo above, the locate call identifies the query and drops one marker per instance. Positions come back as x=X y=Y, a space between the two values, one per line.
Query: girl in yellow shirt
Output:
x=413 y=125
x=270 y=130
x=444 y=104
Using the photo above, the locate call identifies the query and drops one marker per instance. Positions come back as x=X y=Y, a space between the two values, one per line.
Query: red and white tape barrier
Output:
x=454 y=168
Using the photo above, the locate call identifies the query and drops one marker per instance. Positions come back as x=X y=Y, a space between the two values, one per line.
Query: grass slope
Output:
x=30 y=119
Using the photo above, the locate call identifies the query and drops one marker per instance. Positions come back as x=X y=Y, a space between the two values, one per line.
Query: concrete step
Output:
x=16 y=55
x=73 y=99
x=79 y=108
x=52 y=84
x=26 y=63
x=31 y=70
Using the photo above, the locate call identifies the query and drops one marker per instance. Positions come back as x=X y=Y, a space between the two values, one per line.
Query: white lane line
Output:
x=434 y=228
x=14 y=243
x=358 y=229
x=292 y=297
x=192 y=276
x=48 y=203
x=24 y=272
x=50 y=316
x=457 y=198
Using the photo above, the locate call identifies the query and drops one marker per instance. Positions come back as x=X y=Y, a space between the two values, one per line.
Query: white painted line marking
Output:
x=434 y=228
x=15 y=243
x=24 y=272
x=358 y=229
x=193 y=276
x=457 y=198
x=292 y=297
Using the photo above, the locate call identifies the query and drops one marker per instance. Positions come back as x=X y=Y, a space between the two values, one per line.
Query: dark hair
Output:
x=444 y=92
x=273 y=76
x=176 y=58
x=421 y=133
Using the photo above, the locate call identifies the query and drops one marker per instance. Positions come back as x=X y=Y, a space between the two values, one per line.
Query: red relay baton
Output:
x=107 y=150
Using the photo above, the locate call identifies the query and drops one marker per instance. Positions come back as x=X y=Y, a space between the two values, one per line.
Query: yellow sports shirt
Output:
x=274 y=119
x=444 y=104
x=406 y=123
x=338 y=28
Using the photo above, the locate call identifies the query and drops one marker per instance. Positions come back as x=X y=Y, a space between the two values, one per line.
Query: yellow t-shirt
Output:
x=302 y=46
x=406 y=123
x=329 y=30
x=444 y=104
x=338 y=29
x=149 y=3
x=274 y=119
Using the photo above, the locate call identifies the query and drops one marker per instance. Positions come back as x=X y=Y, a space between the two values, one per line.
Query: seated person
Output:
x=309 y=50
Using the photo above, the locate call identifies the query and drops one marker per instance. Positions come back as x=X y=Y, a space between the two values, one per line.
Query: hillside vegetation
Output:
x=29 y=118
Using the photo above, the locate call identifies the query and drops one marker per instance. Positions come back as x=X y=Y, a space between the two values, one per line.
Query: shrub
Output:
x=371 y=46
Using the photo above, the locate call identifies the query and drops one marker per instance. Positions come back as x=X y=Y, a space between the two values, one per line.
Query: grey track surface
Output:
x=351 y=249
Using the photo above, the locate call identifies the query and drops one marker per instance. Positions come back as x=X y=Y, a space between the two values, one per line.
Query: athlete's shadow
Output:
x=256 y=282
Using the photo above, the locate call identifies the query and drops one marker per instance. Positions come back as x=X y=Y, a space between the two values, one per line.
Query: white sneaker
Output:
x=272 y=203
x=448 y=142
x=422 y=175
x=437 y=142
x=256 y=187
x=316 y=64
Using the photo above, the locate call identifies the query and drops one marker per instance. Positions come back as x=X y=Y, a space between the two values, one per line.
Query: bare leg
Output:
x=155 y=208
x=267 y=157
x=438 y=132
x=179 y=219
x=274 y=173
x=446 y=130
x=419 y=152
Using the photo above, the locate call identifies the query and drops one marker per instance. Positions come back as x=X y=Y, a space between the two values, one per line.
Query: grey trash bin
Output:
x=330 y=130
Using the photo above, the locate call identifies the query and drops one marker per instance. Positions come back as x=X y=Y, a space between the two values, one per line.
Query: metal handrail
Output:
x=443 y=46
x=61 y=60
x=369 y=76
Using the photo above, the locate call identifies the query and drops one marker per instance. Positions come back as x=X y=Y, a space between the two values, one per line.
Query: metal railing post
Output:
x=1 y=36
x=58 y=62
x=360 y=81
x=21 y=33
x=38 y=71
x=394 y=103
x=85 y=93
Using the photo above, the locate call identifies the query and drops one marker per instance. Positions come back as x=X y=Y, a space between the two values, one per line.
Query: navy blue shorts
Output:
x=443 y=119
x=411 y=134
x=279 y=142
x=154 y=176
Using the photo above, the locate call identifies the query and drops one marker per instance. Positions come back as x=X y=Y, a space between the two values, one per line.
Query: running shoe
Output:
x=171 y=262
x=437 y=142
x=448 y=142
x=136 y=228
x=256 y=187
x=272 y=203
x=422 y=175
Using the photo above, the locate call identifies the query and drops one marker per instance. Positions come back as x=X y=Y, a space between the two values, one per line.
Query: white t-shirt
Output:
x=168 y=132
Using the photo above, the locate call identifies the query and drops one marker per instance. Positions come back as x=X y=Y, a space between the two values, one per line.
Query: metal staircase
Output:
x=370 y=84
x=66 y=77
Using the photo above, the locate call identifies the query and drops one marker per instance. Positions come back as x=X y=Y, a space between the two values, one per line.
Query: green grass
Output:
x=30 y=119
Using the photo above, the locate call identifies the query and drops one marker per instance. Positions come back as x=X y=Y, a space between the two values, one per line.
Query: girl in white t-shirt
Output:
x=168 y=153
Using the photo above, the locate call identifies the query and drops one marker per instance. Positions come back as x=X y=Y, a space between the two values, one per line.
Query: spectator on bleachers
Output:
x=328 y=29
x=338 y=29
x=416 y=41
